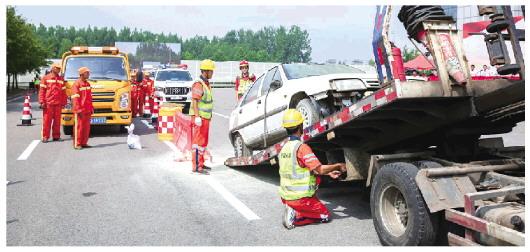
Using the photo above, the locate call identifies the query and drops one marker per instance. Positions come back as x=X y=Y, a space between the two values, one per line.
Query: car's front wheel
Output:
x=240 y=148
x=309 y=112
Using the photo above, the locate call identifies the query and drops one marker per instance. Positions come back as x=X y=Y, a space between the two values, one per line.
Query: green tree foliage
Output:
x=273 y=44
x=409 y=54
x=25 y=52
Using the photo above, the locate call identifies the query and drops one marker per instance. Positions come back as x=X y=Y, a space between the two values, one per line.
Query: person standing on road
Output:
x=134 y=95
x=82 y=108
x=299 y=168
x=201 y=114
x=245 y=80
x=148 y=87
x=52 y=98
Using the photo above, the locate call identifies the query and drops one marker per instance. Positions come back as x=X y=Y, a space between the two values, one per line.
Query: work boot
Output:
x=207 y=167
x=44 y=140
x=289 y=216
x=77 y=148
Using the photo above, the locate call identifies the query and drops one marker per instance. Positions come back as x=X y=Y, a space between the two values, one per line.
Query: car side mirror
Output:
x=275 y=84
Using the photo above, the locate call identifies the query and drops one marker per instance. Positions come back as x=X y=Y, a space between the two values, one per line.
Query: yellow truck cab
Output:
x=109 y=81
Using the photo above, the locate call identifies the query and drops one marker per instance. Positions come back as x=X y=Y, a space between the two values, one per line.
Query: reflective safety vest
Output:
x=244 y=85
x=205 y=104
x=295 y=182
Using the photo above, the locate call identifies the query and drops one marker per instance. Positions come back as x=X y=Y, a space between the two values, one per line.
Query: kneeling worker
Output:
x=298 y=181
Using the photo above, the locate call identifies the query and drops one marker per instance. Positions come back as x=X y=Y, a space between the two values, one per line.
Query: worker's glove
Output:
x=198 y=121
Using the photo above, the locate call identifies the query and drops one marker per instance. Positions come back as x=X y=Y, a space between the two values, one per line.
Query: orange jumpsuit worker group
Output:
x=298 y=181
x=52 y=98
x=201 y=113
x=82 y=108
x=245 y=80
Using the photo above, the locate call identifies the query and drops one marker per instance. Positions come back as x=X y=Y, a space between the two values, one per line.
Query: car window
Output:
x=297 y=70
x=272 y=75
x=173 y=76
x=268 y=79
x=252 y=93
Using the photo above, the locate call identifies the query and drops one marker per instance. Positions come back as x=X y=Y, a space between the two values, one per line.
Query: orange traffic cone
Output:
x=26 y=114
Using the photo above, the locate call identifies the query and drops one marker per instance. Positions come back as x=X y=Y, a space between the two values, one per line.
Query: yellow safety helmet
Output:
x=292 y=118
x=207 y=64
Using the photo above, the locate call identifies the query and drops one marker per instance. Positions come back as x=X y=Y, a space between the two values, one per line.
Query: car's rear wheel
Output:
x=309 y=112
x=240 y=148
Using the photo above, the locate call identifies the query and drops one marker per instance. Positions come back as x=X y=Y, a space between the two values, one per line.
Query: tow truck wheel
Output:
x=240 y=148
x=68 y=130
x=310 y=114
x=123 y=129
x=400 y=215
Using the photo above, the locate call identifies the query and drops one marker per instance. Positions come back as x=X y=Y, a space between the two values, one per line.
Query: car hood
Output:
x=317 y=84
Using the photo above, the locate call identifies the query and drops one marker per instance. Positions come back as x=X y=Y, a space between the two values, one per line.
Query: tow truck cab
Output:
x=109 y=81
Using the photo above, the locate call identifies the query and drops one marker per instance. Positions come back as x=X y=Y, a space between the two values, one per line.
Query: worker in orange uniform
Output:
x=140 y=94
x=82 y=108
x=299 y=176
x=148 y=86
x=134 y=95
x=52 y=98
x=245 y=80
x=201 y=113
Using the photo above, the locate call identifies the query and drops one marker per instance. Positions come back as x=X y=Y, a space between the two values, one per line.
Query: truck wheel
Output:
x=400 y=215
x=123 y=129
x=68 y=130
x=310 y=114
x=423 y=164
x=240 y=148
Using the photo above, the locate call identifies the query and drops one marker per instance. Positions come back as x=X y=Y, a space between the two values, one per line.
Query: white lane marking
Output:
x=237 y=204
x=148 y=125
x=16 y=98
x=28 y=150
x=232 y=200
x=221 y=115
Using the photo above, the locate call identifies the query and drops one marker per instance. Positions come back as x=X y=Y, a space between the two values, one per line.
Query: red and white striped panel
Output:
x=166 y=124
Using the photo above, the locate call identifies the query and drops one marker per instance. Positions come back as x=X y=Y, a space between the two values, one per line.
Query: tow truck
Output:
x=417 y=145
x=110 y=83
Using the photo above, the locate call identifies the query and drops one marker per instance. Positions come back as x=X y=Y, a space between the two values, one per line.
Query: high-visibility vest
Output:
x=296 y=182
x=244 y=85
x=205 y=104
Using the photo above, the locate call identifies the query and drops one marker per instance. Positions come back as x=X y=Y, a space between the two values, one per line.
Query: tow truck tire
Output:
x=123 y=129
x=68 y=130
x=310 y=114
x=400 y=215
x=240 y=148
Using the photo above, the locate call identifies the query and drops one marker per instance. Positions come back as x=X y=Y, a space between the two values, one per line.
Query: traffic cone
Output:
x=26 y=114
x=147 y=108
x=154 y=116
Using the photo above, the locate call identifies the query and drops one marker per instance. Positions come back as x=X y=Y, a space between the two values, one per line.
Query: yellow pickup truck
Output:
x=110 y=82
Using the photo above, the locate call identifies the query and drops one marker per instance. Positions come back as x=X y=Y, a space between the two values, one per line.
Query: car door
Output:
x=249 y=114
x=275 y=106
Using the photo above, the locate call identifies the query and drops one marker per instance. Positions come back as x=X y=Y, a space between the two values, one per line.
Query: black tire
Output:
x=416 y=226
x=240 y=148
x=123 y=129
x=68 y=130
x=423 y=164
x=305 y=106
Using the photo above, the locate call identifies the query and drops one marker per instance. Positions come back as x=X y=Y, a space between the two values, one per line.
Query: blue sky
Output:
x=336 y=32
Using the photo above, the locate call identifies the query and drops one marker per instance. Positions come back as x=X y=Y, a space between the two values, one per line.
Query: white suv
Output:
x=316 y=90
x=173 y=85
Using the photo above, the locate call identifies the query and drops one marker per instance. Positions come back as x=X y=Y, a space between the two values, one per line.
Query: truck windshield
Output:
x=101 y=68
x=173 y=76
x=297 y=71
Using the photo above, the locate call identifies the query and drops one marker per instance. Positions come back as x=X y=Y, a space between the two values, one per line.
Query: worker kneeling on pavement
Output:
x=82 y=108
x=201 y=112
x=299 y=168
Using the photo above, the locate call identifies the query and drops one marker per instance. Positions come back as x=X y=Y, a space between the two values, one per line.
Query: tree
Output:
x=409 y=54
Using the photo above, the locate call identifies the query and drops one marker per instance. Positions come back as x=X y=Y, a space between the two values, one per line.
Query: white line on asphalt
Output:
x=28 y=150
x=221 y=115
x=148 y=125
x=237 y=204
x=16 y=98
x=232 y=200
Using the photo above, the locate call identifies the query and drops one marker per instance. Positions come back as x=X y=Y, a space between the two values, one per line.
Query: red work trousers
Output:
x=308 y=210
x=141 y=101
x=134 y=103
x=51 y=118
x=81 y=129
x=199 y=142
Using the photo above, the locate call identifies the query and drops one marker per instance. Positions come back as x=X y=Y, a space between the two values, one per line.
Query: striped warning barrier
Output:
x=166 y=121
